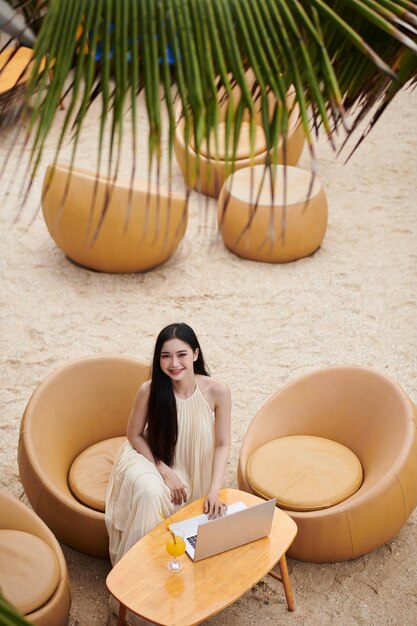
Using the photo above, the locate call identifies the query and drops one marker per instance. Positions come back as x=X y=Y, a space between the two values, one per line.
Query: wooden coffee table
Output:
x=141 y=582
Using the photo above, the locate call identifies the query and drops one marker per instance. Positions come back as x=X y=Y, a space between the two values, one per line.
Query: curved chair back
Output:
x=14 y=515
x=369 y=413
x=83 y=402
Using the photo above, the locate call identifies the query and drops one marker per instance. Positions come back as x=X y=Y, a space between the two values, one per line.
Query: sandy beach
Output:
x=260 y=325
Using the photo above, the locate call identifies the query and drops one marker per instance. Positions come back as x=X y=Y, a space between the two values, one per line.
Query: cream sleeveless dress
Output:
x=136 y=491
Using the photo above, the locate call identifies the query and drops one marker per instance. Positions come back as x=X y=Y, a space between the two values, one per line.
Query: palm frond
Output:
x=341 y=56
x=9 y=616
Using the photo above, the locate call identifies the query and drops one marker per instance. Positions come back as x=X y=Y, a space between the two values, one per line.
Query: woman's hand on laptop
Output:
x=213 y=506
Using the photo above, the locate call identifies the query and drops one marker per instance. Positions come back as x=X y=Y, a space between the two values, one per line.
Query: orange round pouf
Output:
x=285 y=226
x=304 y=473
x=207 y=170
x=112 y=226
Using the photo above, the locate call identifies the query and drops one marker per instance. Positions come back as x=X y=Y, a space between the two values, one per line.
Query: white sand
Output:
x=260 y=325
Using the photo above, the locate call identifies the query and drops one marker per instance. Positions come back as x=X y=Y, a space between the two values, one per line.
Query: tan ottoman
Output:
x=286 y=226
x=207 y=171
x=108 y=226
x=304 y=473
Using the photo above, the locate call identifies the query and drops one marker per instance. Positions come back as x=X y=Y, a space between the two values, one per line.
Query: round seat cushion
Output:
x=243 y=150
x=304 y=473
x=29 y=570
x=90 y=472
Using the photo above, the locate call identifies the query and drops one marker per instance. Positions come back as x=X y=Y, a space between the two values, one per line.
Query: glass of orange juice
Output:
x=175 y=547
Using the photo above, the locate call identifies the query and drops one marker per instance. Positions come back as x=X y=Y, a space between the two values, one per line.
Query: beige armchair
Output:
x=372 y=416
x=78 y=411
x=33 y=572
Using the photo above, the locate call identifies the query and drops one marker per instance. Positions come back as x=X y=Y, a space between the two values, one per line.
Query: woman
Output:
x=178 y=443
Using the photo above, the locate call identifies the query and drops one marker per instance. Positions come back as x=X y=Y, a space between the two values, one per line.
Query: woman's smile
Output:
x=177 y=358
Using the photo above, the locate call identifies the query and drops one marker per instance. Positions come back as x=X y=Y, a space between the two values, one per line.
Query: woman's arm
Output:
x=135 y=429
x=137 y=422
x=222 y=435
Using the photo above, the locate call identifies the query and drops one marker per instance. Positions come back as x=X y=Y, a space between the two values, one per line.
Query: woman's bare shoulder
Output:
x=144 y=390
x=212 y=387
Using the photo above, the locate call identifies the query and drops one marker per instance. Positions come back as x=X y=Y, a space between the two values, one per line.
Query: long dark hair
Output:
x=162 y=409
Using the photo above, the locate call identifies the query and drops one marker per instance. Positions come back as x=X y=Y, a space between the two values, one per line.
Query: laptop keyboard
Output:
x=192 y=540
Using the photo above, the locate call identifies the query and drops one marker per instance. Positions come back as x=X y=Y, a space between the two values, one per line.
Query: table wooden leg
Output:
x=285 y=580
x=121 y=620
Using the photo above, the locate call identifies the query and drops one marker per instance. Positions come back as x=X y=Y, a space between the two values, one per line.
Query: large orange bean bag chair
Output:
x=72 y=427
x=33 y=573
x=344 y=438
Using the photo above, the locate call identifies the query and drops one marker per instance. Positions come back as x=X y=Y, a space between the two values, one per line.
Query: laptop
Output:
x=240 y=525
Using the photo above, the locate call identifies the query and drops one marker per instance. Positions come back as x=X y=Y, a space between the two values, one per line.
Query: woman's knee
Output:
x=151 y=487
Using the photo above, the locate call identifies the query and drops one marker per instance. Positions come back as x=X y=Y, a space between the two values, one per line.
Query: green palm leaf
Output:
x=9 y=616
x=340 y=56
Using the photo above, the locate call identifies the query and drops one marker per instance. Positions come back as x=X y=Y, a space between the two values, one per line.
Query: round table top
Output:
x=143 y=584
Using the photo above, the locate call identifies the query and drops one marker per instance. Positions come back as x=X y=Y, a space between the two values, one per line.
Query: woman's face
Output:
x=177 y=359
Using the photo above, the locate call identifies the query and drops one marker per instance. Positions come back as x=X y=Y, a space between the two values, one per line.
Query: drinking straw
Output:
x=167 y=527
